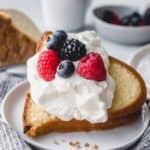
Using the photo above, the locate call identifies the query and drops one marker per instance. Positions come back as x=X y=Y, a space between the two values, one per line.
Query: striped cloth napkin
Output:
x=10 y=139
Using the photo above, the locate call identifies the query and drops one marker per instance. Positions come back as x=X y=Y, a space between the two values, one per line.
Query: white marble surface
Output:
x=33 y=9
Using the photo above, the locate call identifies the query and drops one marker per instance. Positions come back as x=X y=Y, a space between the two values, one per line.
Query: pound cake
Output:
x=76 y=86
x=18 y=37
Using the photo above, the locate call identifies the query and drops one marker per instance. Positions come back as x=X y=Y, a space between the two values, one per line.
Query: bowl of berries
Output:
x=123 y=24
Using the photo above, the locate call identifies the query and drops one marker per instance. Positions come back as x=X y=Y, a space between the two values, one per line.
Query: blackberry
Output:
x=73 y=50
x=107 y=15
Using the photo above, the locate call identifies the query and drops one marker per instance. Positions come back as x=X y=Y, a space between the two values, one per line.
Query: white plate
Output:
x=137 y=57
x=121 y=137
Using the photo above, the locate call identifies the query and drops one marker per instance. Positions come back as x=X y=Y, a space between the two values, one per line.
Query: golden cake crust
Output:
x=38 y=122
x=116 y=65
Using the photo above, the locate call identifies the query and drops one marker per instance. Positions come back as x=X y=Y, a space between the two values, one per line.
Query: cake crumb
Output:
x=75 y=144
x=95 y=147
x=56 y=142
x=86 y=145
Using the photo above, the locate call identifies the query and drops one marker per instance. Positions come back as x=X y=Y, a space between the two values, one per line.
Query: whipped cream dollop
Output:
x=74 y=97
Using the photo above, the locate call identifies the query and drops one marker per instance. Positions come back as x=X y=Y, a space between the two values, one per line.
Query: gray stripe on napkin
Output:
x=9 y=138
x=144 y=142
x=7 y=83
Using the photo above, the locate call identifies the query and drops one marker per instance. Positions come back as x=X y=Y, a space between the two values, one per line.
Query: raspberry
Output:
x=46 y=65
x=115 y=20
x=92 y=67
x=141 y=23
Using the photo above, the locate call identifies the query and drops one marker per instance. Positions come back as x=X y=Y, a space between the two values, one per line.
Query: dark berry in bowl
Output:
x=65 y=69
x=109 y=16
x=116 y=20
x=136 y=14
x=147 y=17
x=125 y=20
x=73 y=50
x=142 y=23
x=56 y=41
x=134 y=21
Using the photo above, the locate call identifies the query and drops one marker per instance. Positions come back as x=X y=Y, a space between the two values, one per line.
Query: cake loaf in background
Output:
x=18 y=37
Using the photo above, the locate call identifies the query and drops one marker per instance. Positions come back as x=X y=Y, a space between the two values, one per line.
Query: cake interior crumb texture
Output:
x=18 y=37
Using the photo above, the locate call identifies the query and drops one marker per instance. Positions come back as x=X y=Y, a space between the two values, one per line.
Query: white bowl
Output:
x=137 y=58
x=118 y=33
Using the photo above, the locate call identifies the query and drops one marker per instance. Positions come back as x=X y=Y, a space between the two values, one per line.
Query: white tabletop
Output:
x=33 y=9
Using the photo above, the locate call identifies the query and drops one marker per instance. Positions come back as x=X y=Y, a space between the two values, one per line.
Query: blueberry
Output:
x=56 y=41
x=136 y=14
x=61 y=35
x=65 y=69
x=53 y=43
x=147 y=17
x=135 y=21
x=125 y=20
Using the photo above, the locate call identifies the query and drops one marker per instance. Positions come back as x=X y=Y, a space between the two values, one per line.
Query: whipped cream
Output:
x=74 y=97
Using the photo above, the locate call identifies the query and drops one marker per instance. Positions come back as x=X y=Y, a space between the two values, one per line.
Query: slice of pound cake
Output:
x=76 y=86
x=18 y=37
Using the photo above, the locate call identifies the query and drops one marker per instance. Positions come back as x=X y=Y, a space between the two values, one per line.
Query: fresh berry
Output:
x=61 y=35
x=142 y=23
x=147 y=17
x=135 y=14
x=46 y=65
x=134 y=21
x=72 y=50
x=53 y=43
x=56 y=41
x=109 y=16
x=92 y=67
x=116 y=20
x=65 y=68
x=125 y=20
